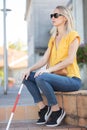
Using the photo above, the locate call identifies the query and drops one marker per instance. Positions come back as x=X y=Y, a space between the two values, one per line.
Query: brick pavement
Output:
x=33 y=126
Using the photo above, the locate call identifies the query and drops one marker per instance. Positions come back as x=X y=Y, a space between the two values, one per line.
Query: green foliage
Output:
x=82 y=54
x=11 y=45
x=17 y=45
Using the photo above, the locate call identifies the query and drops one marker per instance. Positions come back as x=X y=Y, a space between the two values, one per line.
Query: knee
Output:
x=39 y=79
x=25 y=82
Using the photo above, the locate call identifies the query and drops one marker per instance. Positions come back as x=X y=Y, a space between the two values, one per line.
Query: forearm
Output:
x=38 y=65
x=42 y=61
x=60 y=65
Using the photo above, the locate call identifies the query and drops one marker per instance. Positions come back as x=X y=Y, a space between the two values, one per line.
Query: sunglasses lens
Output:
x=51 y=15
x=56 y=15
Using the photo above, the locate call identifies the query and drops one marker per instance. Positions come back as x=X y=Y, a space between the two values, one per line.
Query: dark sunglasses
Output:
x=55 y=15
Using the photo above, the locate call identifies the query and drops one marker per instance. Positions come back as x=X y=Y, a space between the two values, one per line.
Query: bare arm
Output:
x=42 y=61
x=69 y=60
x=38 y=65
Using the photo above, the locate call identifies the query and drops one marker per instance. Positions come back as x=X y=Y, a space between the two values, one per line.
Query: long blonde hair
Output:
x=69 y=23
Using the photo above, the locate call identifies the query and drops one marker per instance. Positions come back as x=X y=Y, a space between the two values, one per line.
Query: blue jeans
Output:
x=48 y=83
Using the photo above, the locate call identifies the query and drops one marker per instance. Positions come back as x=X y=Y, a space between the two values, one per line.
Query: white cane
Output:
x=14 y=107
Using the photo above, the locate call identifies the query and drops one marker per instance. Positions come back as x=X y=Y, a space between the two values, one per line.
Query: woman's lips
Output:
x=53 y=21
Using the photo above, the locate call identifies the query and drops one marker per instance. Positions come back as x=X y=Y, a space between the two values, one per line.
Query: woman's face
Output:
x=57 y=18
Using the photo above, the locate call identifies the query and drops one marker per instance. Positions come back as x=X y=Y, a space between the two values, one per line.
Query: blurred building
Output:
x=17 y=64
x=39 y=23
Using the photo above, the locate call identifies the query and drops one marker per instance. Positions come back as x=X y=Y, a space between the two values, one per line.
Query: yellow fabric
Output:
x=59 y=54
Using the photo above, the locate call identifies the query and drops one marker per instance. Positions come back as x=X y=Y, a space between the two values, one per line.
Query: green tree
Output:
x=17 y=45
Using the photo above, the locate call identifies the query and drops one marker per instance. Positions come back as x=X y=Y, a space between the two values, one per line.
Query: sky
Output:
x=15 y=23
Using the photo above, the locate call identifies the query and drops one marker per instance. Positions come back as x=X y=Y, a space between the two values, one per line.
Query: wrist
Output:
x=48 y=70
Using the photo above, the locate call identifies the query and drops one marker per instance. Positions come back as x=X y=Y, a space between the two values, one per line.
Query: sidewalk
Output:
x=33 y=126
x=9 y=99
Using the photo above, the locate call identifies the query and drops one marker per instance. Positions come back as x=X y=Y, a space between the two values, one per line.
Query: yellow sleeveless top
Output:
x=61 y=53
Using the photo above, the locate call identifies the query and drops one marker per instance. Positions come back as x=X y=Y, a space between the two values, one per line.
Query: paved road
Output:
x=10 y=98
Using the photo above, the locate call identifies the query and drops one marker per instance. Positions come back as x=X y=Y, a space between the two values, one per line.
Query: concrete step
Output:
x=33 y=126
x=26 y=110
x=22 y=113
x=75 y=114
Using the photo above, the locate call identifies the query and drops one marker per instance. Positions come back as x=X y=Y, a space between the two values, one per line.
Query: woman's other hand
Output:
x=26 y=74
x=41 y=72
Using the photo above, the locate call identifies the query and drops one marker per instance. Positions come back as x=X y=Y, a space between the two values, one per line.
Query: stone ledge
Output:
x=75 y=105
x=80 y=92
